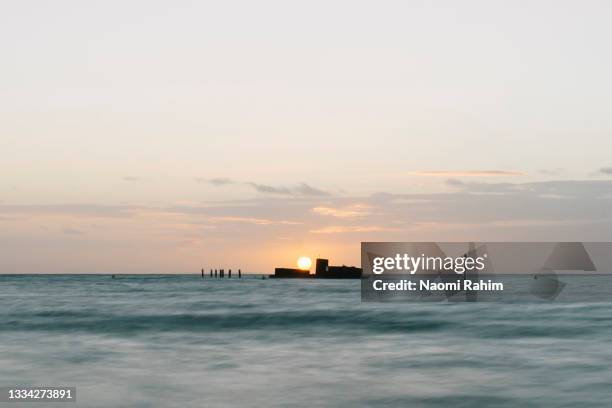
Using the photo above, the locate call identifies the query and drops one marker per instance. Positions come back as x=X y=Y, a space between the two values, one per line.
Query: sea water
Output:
x=184 y=341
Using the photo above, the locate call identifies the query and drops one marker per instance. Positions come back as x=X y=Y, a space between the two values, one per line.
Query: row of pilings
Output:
x=220 y=273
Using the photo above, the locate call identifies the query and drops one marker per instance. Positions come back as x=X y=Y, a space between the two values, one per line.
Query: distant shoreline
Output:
x=124 y=274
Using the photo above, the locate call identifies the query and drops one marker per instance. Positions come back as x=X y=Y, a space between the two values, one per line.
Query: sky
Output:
x=166 y=136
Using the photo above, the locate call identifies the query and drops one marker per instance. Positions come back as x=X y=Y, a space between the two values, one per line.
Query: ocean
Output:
x=183 y=341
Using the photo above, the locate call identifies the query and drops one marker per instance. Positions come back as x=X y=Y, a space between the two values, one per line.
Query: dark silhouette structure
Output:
x=321 y=267
x=290 y=273
x=220 y=273
x=323 y=271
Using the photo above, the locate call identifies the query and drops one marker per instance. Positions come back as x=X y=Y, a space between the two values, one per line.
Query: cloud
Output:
x=301 y=189
x=244 y=230
x=606 y=170
x=356 y=210
x=255 y=221
x=306 y=190
x=586 y=189
x=4 y=218
x=220 y=181
x=340 y=229
x=72 y=231
x=469 y=173
x=486 y=188
x=81 y=210
x=217 y=181
x=454 y=182
x=262 y=188
x=131 y=178
x=551 y=172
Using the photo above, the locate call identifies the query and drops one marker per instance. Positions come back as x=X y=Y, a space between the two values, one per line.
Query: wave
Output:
x=316 y=320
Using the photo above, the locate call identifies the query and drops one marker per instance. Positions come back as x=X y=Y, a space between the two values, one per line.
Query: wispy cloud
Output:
x=454 y=182
x=74 y=210
x=220 y=181
x=216 y=181
x=356 y=210
x=342 y=229
x=72 y=231
x=247 y=229
x=469 y=173
x=587 y=189
x=299 y=190
x=551 y=172
x=266 y=189
x=304 y=189
x=4 y=218
x=606 y=170
x=255 y=221
x=131 y=178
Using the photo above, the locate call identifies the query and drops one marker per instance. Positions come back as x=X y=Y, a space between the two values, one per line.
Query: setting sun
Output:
x=304 y=262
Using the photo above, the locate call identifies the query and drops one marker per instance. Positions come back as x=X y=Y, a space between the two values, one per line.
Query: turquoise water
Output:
x=182 y=341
